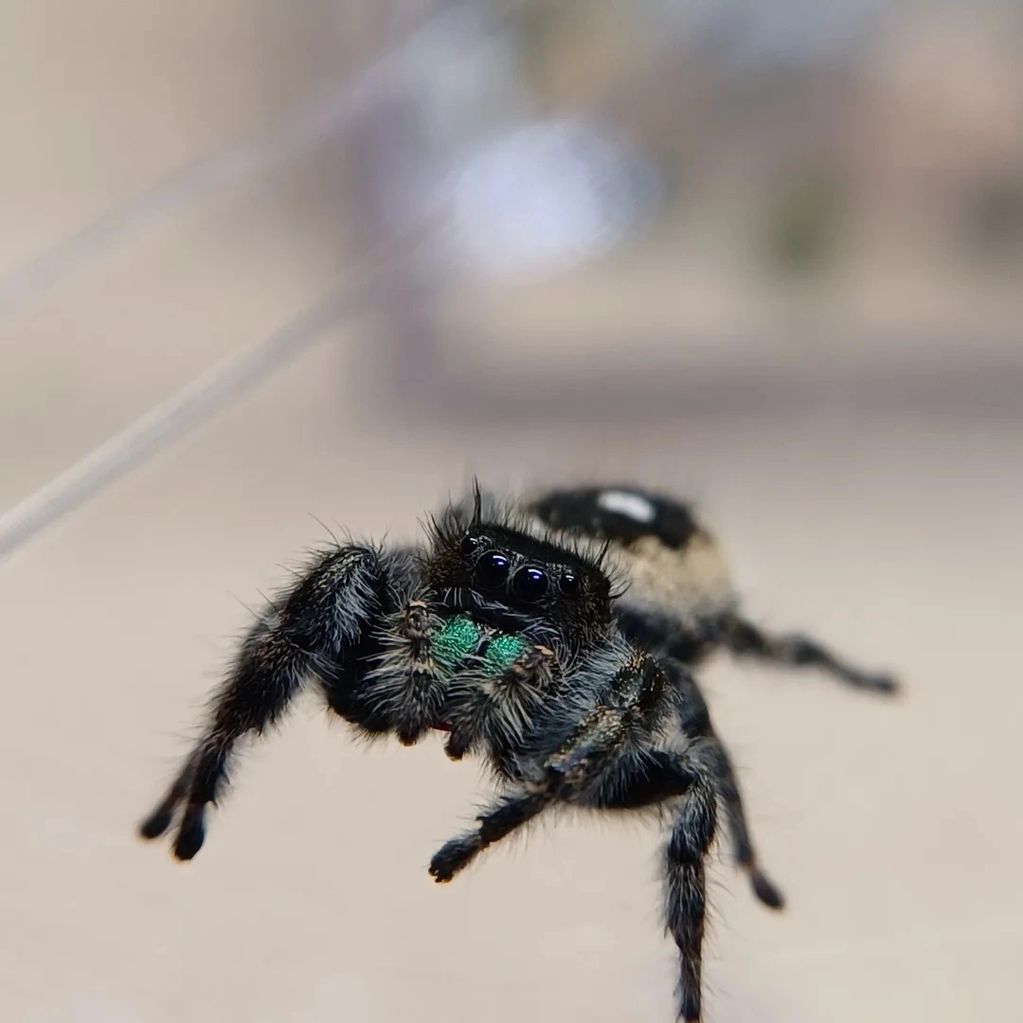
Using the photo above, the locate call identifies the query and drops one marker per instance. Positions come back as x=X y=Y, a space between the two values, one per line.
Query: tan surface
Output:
x=146 y=233
x=891 y=826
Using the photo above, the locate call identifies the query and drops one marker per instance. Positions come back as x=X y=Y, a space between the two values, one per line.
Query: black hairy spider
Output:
x=503 y=631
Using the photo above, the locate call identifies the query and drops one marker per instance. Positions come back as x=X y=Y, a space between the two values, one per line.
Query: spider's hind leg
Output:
x=694 y=720
x=745 y=639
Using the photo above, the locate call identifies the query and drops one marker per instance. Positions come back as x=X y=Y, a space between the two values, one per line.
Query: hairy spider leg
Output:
x=662 y=634
x=694 y=720
x=745 y=639
x=596 y=747
x=501 y=818
x=603 y=765
x=307 y=633
x=685 y=903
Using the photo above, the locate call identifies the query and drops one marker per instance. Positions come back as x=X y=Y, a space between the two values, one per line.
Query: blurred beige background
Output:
x=806 y=317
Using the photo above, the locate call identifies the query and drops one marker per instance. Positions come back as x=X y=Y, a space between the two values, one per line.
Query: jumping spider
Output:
x=504 y=631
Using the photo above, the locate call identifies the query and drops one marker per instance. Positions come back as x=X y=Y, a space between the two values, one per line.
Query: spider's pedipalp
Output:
x=407 y=684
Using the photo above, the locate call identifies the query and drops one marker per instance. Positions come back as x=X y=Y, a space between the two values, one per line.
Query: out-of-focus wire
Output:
x=198 y=401
x=169 y=420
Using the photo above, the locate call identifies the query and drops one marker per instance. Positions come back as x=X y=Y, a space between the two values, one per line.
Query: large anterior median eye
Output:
x=529 y=584
x=492 y=570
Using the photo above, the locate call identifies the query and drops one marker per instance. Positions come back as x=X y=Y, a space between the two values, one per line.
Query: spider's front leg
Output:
x=315 y=630
x=574 y=770
x=609 y=762
x=496 y=822
x=545 y=779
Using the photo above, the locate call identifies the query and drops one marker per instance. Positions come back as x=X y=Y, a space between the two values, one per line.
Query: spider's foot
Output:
x=452 y=857
x=156 y=823
x=886 y=684
x=191 y=835
x=408 y=733
x=690 y=1010
x=457 y=746
x=766 y=890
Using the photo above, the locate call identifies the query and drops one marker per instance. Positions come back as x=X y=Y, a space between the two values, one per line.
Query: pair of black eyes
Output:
x=528 y=584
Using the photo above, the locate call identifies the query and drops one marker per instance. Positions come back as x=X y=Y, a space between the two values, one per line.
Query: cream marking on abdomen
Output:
x=693 y=582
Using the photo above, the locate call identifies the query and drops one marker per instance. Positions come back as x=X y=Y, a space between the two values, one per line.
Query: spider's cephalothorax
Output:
x=493 y=569
x=504 y=632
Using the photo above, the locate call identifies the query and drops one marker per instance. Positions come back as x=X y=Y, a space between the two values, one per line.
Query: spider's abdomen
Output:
x=623 y=514
x=672 y=565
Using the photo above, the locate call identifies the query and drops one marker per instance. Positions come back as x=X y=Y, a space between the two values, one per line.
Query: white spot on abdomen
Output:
x=632 y=506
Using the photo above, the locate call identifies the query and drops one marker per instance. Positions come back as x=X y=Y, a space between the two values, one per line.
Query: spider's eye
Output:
x=569 y=584
x=492 y=570
x=529 y=584
x=468 y=546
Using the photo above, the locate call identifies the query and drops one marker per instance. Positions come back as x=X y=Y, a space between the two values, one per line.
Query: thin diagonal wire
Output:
x=192 y=405
x=226 y=381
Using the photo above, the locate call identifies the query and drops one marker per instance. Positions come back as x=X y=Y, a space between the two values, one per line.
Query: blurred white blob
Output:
x=505 y=192
x=544 y=196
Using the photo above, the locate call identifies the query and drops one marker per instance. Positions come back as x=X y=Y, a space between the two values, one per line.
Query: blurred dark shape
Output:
x=995 y=218
x=804 y=229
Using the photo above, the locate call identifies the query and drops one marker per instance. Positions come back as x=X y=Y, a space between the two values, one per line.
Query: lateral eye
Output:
x=530 y=584
x=569 y=583
x=492 y=570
